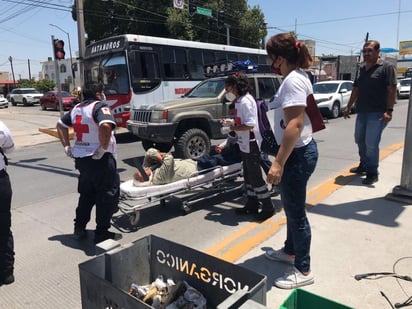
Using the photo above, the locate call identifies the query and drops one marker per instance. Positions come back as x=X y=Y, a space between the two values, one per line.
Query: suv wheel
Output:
x=13 y=102
x=335 y=111
x=192 y=144
x=162 y=147
x=25 y=102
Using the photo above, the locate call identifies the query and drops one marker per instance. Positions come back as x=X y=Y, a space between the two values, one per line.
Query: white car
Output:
x=403 y=88
x=26 y=96
x=332 y=96
x=3 y=102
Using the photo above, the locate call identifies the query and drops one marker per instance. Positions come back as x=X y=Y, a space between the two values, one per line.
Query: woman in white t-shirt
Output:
x=249 y=140
x=297 y=156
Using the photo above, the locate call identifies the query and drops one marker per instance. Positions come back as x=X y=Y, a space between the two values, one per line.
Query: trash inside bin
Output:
x=302 y=299
x=105 y=280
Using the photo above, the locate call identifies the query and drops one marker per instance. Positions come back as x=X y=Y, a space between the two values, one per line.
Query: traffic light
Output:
x=220 y=19
x=192 y=8
x=58 y=47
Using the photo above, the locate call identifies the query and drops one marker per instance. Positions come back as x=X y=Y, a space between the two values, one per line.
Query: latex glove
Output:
x=225 y=130
x=68 y=151
x=227 y=122
x=99 y=153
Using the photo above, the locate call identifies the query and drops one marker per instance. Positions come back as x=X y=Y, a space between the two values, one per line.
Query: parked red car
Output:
x=51 y=100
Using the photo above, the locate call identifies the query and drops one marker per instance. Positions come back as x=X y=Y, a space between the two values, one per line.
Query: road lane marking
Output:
x=237 y=244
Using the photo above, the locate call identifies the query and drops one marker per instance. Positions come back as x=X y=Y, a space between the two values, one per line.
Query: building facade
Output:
x=68 y=75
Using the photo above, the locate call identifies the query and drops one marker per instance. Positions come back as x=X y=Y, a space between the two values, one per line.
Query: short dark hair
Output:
x=89 y=91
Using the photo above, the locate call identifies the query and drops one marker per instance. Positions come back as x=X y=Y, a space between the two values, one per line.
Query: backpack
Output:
x=269 y=144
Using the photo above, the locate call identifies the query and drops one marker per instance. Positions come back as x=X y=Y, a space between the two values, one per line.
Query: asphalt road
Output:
x=44 y=184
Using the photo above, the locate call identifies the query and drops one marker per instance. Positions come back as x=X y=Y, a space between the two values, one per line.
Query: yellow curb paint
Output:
x=242 y=241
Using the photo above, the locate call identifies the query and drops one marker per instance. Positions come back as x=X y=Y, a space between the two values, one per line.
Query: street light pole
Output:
x=70 y=52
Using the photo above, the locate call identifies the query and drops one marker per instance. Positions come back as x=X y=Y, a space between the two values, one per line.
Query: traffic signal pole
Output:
x=57 y=71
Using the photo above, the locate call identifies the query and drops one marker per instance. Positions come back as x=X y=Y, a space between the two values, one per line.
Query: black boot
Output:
x=268 y=210
x=251 y=207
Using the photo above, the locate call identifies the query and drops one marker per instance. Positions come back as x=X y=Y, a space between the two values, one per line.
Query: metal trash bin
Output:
x=106 y=279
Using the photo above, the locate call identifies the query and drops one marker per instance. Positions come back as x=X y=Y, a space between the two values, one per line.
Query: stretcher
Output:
x=203 y=185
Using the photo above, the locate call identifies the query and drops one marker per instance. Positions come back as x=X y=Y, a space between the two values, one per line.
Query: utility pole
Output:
x=81 y=38
x=12 y=71
x=28 y=64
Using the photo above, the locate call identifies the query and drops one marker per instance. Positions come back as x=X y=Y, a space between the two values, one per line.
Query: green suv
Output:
x=191 y=122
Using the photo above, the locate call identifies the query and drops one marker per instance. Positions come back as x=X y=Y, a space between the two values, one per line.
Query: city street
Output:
x=44 y=183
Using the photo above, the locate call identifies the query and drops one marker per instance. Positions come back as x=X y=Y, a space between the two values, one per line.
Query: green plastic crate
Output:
x=301 y=299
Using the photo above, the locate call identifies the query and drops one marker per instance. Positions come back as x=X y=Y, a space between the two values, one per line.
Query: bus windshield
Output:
x=111 y=71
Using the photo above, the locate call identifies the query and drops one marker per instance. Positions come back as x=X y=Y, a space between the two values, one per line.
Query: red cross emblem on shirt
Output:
x=80 y=128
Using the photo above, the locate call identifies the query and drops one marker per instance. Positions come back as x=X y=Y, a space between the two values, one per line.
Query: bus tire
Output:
x=192 y=144
x=162 y=147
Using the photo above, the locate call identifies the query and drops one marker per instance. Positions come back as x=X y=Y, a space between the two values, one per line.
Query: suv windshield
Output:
x=405 y=82
x=207 y=89
x=325 y=88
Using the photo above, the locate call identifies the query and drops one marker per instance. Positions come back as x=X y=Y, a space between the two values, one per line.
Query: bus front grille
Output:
x=142 y=116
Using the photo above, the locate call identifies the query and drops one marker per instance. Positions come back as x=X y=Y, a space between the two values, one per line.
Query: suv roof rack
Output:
x=226 y=69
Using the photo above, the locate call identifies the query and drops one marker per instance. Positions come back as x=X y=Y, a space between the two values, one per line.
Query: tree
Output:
x=45 y=85
x=158 y=18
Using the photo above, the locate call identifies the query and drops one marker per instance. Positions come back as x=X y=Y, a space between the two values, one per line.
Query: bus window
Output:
x=115 y=76
x=174 y=63
x=196 y=64
x=144 y=70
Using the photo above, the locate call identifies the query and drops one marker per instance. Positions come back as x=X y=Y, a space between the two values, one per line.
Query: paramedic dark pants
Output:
x=6 y=236
x=98 y=185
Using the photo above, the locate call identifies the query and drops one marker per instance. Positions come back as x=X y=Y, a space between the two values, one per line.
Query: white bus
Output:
x=139 y=70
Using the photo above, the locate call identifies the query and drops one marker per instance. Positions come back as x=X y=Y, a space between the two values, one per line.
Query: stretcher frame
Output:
x=224 y=182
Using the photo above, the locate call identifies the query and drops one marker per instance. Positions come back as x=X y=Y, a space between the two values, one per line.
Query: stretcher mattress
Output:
x=129 y=190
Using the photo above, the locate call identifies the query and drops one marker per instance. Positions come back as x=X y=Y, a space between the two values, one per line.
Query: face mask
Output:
x=230 y=96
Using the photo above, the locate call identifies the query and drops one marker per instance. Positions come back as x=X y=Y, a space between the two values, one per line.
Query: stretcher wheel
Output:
x=134 y=218
x=186 y=208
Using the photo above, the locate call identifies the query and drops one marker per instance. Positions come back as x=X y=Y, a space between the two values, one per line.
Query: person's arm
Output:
x=6 y=139
x=105 y=134
x=352 y=100
x=164 y=174
x=294 y=117
x=391 y=90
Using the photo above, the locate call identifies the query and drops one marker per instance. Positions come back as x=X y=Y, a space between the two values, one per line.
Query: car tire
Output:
x=192 y=144
x=25 y=102
x=335 y=111
x=43 y=107
x=13 y=102
x=162 y=147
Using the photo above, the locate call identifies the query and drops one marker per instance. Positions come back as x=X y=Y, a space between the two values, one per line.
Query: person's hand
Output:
x=218 y=149
x=387 y=116
x=99 y=153
x=68 y=151
x=275 y=173
x=346 y=113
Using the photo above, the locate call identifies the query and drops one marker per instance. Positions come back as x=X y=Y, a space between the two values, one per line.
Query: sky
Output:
x=338 y=27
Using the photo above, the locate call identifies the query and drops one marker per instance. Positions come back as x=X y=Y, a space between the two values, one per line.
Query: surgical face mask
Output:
x=230 y=96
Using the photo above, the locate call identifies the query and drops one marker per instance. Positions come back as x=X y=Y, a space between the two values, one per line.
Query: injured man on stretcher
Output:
x=162 y=168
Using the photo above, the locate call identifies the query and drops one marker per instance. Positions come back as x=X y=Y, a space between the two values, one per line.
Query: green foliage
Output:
x=159 y=18
x=42 y=85
x=45 y=85
x=26 y=83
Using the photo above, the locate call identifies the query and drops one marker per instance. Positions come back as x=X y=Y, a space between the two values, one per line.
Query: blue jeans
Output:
x=368 y=132
x=298 y=168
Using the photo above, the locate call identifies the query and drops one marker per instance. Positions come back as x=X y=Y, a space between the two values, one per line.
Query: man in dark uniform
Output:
x=94 y=151
x=6 y=236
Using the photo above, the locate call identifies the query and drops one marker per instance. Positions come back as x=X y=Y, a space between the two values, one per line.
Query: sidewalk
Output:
x=354 y=231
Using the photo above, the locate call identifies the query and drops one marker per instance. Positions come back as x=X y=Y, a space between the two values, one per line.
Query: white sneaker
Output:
x=280 y=256
x=293 y=278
